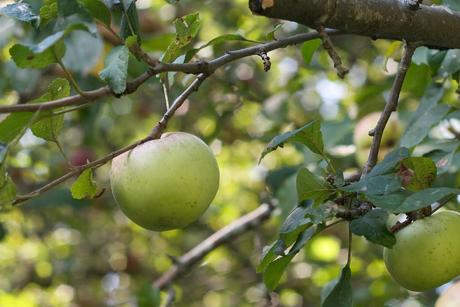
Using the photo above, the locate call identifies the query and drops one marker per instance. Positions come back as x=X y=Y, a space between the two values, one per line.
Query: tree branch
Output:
x=156 y=134
x=434 y=26
x=249 y=221
x=189 y=68
x=390 y=107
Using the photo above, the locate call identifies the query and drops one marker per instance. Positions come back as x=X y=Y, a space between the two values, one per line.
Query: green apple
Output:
x=427 y=252
x=166 y=183
x=363 y=141
x=450 y=297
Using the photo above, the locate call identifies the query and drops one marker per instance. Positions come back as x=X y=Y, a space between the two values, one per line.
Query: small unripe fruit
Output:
x=166 y=183
x=427 y=252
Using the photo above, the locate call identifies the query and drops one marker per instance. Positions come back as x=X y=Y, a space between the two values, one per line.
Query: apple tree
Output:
x=330 y=131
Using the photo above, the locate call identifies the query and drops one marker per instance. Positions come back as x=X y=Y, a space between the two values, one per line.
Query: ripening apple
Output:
x=363 y=141
x=427 y=252
x=166 y=183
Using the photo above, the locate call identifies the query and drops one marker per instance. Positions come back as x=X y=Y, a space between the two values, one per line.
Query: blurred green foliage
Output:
x=58 y=251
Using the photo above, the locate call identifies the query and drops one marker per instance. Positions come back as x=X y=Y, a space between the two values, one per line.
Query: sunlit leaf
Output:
x=308 y=135
x=310 y=186
x=84 y=186
x=309 y=48
x=417 y=173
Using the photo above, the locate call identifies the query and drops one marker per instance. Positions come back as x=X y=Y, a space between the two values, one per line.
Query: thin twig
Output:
x=157 y=67
x=249 y=221
x=390 y=107
x=161 y=126
x=156 y=133
x=327 y=44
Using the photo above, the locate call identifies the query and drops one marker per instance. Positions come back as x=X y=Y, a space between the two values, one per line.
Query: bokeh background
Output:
x=57 y=251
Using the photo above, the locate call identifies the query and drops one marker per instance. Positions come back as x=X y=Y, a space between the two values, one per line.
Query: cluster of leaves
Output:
x=400 y=183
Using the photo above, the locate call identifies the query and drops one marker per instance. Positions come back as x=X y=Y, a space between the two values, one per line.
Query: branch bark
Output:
x=249 y=221
x=155 y=134
x=206 y=68
x=390 y=107
x=189 y=68
x=434 y=26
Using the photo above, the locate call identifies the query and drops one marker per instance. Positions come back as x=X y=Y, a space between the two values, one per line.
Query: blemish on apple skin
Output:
x=267 y=4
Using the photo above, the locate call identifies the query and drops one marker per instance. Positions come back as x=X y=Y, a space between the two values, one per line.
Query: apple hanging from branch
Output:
x=166 y=183
x=427 y=252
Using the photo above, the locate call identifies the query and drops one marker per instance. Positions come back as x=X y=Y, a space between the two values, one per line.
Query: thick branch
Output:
x=243 y=224
x=434 y=26
x=390 y=107
x=190 y=68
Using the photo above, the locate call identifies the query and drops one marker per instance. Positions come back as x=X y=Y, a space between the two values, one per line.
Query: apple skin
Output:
x=363 y=141
x=427 y=252
x=166 y=183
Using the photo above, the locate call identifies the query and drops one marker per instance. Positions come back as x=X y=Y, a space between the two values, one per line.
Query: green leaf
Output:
x=417 y=173
x=7 y=194
x=310 y=186
x=296 y=220
x=389 y=162
x=302 y=239
x=271 y=35
x=24 y=57
x=48 y=51
x=389 y=202
x=13 y=126
x=308 y=135
x=57 y=89
x=425 y=198
x=309 y=48
x=378 y=185
x=416 y=132
x=129 y=21
x=187 y=28
x=421 y=56
x=98 y=10
x=48 y=128
x=341 y=294
x=373 y=227
x=148 y=296
x=116 y=69
x=84 y=186
x=269 y=254
x=275 y=270
x=20 y=11
x=48 y=11
x=450 y=64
